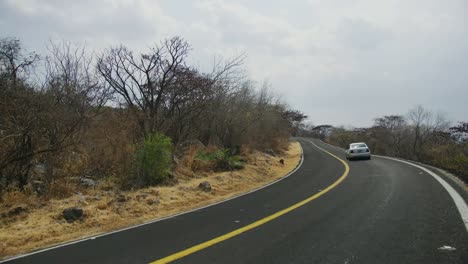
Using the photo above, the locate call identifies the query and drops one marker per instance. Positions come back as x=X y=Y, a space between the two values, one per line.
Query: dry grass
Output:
x=43 y=225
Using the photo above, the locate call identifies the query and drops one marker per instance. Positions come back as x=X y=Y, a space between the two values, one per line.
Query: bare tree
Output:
x=17 y=116
x=418 y=117
x=38 y=123
x=295 y=118
x=70 y=73
x=73 y=93
x=321 y=131
x=13 y=61
x=393 y=132
x=143 y=81
x=424 y=124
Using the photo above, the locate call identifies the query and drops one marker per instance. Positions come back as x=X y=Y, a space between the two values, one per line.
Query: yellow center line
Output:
x=257 y=223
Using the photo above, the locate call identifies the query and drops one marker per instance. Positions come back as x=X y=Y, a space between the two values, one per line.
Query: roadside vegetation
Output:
x=124 y=116
x=74 y=122
x=419 y=135
x=105 y=209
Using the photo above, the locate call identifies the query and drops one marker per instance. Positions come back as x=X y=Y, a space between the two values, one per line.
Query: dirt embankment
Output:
x=41 y=224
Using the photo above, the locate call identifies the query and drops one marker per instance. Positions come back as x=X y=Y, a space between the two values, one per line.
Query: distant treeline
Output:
x=71 y=113
x=420 y=135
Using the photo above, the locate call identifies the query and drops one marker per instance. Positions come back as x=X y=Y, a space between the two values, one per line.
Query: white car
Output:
x=358 y=151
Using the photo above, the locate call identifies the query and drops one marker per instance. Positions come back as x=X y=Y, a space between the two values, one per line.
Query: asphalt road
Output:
x=383 y=212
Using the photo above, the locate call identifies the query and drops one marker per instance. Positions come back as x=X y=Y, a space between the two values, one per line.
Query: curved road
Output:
x=384 y=211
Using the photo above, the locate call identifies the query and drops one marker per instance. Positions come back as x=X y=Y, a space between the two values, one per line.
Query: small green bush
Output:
x=153 y=159
x=223 y=159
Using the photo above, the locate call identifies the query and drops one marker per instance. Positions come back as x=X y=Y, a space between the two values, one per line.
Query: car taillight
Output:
x=367 y=150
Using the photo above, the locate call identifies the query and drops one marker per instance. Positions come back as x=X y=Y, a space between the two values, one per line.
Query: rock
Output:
x=72 y=214
x=184 y=188
x=82 y=198
x=15 y=211
x=88 y=182
x=141 y=196
x=205 y=186
x=39 y=169
x=153 y=201
x=154 y=192
x=219 y=178
x=39 y=187
x=447 y=248
x=270 y=152
x=122 y=198
x=281 y=161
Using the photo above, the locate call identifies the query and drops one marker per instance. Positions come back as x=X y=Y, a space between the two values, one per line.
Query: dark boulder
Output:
x=88 y=182
x=141 y=196
x=205 y=186
x=153 y=201
x=72 y=214
x=270 y=152
x=15 y=211
x=122 y=198
x=39 y=187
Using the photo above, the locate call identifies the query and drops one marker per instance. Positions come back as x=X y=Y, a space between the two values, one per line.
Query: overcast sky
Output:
x=342 y=62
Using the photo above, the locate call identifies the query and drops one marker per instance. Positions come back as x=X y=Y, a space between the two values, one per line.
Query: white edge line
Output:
x=159 y=219
x=460 y=203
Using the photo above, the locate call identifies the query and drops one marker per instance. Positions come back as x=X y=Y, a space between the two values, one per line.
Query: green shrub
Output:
x=222 y=159
x=153 y=159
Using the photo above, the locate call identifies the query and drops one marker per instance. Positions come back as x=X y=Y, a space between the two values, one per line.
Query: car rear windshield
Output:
x=358 y=146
